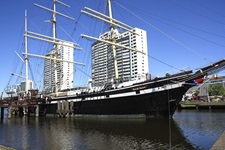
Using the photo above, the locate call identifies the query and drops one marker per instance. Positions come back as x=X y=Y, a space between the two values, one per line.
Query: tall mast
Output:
x=55 y=51
x=110 y=14
x=54 y=22
x=26 y=51
x=52 y=39
x=113 y=39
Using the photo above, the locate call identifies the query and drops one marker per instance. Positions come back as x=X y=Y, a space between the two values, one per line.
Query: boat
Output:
x=117 y=96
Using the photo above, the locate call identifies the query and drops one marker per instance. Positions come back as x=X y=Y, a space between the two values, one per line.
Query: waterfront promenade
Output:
x=6 y=148
x=202 y=105
x=220 y=144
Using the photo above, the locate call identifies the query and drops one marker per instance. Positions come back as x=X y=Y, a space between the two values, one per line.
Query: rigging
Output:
x=170 y=37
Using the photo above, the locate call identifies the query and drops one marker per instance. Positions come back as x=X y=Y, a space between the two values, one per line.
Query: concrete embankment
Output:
x=6 y=148
x=202 y=105
x=220 y=144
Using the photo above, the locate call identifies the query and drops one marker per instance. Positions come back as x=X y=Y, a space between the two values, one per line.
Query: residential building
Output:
x=132 y=65
x=65 y=70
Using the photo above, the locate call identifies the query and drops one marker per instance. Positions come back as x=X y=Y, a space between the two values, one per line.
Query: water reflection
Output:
x=202 y=128
x=133 y=134
x=71 y=133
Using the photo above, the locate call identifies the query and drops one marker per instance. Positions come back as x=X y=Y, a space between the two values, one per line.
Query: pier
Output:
x=18 y=107
x=30 y=105
x=220 y=144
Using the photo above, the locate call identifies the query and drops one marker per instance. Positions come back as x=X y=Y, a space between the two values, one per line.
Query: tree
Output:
x=196 y=92
x=196 y=95
x=216 y=89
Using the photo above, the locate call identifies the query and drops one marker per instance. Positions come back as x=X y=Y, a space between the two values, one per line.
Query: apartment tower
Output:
x=132 y=65
x=65 y=70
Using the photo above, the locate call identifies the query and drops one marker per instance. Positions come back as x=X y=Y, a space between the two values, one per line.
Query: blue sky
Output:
x=181 y=33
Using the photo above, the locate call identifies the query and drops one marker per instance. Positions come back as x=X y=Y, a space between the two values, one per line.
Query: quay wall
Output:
x=219 y=144
x=202 y=105
x=6 y=148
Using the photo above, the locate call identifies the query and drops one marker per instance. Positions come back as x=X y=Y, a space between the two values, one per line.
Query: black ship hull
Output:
x=153 y=98
x=161 y=103
x=157 y=104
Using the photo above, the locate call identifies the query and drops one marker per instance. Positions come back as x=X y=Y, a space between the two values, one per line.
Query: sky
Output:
x=181 y=34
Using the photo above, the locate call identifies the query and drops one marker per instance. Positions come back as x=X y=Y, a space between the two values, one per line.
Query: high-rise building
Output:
x=132 y=65
x=65 y=71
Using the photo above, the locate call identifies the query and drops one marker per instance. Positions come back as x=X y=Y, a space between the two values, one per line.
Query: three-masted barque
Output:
x=146 y=97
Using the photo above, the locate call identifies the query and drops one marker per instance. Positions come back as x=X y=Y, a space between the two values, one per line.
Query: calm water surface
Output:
x=189 y=130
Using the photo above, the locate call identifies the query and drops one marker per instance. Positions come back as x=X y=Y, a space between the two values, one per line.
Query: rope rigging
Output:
x=86 y=58
x=32 y=76
x=195 y=34
x=88 y=53
x=188 y=26
x=162 y=32
x=196 y=13
x=208 y=8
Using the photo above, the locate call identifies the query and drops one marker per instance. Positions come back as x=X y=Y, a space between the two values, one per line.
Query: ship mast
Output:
x=55 y=48
x=26 y=51
x=113 y=39
x=53 y=40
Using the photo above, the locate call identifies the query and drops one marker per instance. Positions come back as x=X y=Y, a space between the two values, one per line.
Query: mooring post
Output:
x=9 y=111
x=63 y=108
x=67 y=108
x=71 y=108
x=25 y=111
x=37 y=111
x=59 y=108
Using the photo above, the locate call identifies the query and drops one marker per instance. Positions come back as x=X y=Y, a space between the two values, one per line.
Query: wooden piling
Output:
x=63 y=108
x=71 y=108
x=67 y=108
x=9 y=111
x=59 y=105
x=37 y=111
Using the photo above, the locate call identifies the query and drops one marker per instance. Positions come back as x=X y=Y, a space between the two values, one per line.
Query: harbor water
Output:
x=188 y=129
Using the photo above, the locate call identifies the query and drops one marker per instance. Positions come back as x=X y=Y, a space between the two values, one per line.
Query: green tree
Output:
x=216 y=89
x=197 y=92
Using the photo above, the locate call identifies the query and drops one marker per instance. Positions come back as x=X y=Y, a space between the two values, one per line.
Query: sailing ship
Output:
x=118 y=96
